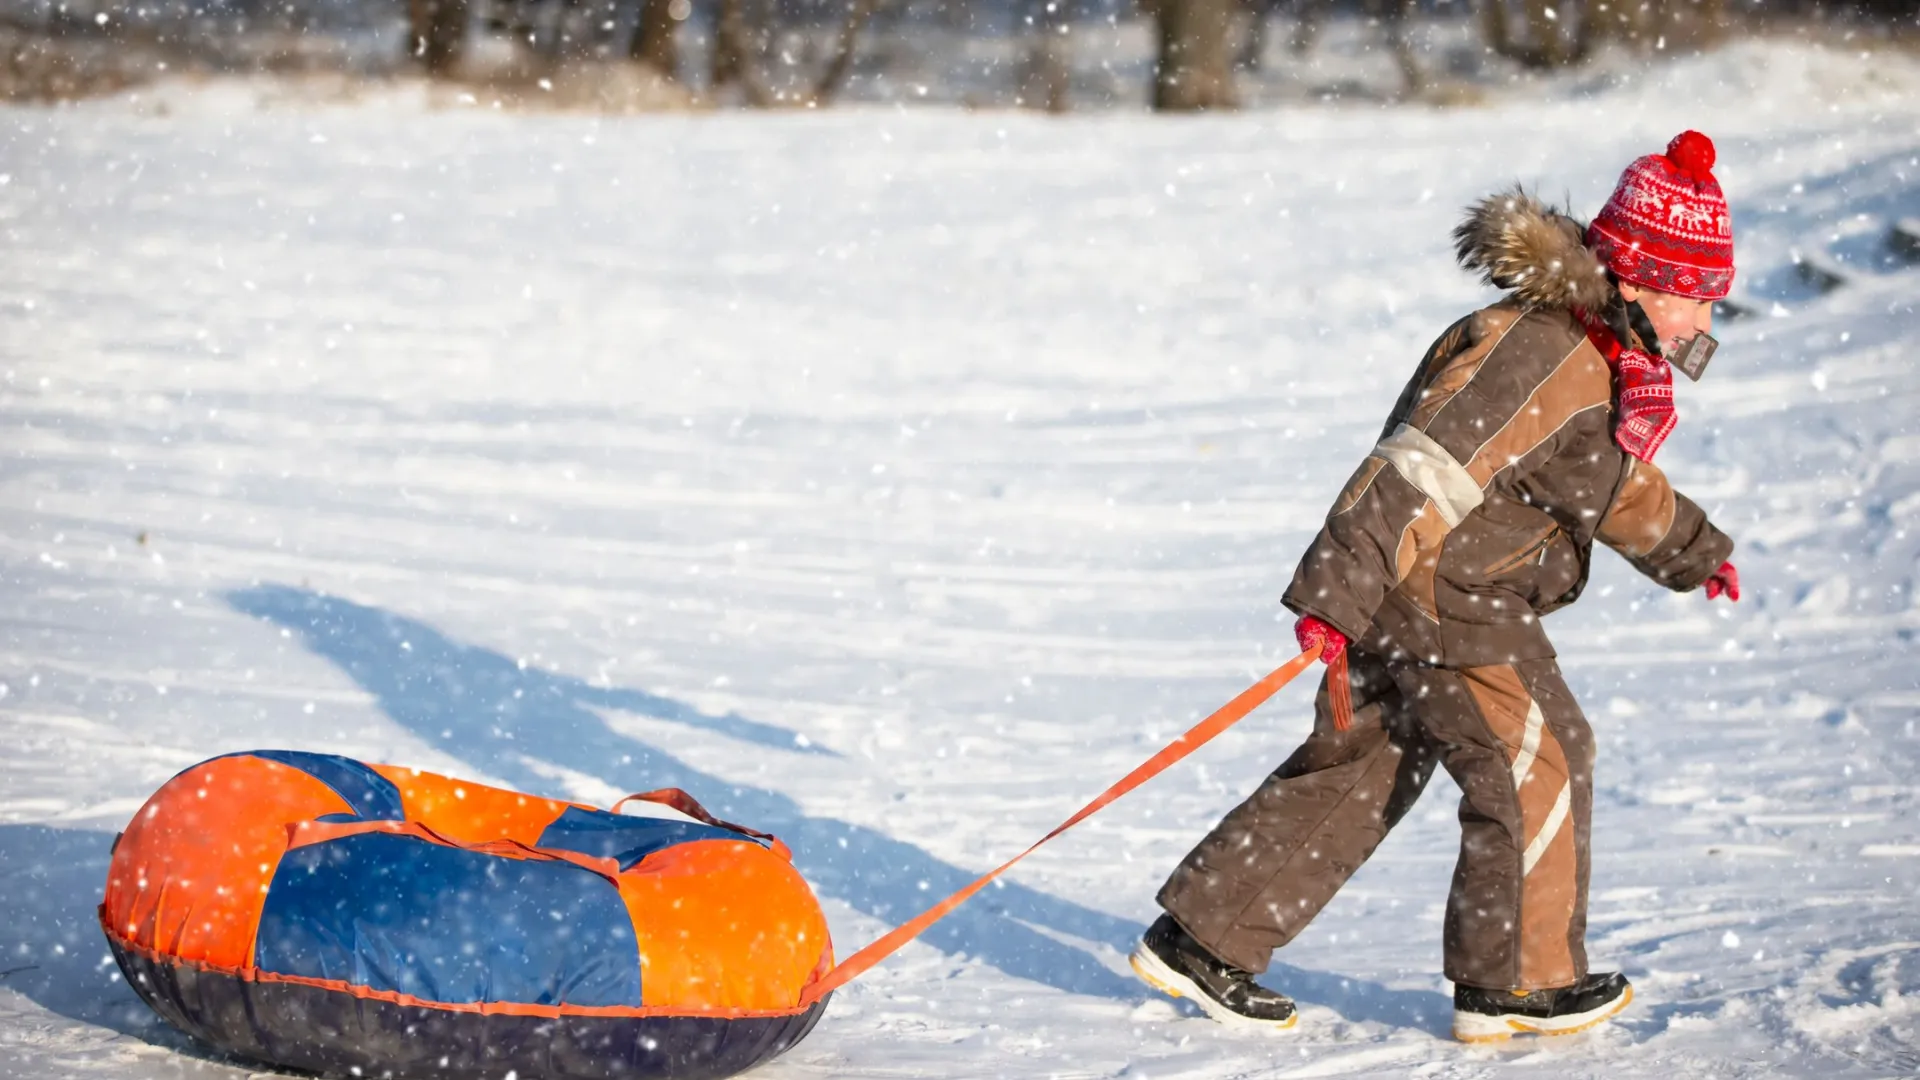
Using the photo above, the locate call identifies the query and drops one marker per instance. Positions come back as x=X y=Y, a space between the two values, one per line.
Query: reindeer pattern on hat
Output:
x=1667 y=226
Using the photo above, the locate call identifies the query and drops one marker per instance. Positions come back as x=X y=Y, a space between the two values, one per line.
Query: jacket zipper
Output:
x=1537 y=550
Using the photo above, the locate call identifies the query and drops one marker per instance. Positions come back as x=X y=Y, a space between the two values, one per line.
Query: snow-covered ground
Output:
x=894 y=481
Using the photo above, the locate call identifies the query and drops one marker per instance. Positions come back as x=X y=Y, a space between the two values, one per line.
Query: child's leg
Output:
x=1274 y=861
x=1515 y=741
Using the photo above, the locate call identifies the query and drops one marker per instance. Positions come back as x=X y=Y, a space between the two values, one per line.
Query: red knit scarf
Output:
x=1643 y=413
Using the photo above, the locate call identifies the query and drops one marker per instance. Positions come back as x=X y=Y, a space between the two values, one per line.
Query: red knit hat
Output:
x=1666 y=227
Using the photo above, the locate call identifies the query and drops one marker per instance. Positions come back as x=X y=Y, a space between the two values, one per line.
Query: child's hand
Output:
x=1310 y=631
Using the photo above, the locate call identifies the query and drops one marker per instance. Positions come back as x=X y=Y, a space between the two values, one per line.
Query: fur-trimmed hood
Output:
x=1519 y=243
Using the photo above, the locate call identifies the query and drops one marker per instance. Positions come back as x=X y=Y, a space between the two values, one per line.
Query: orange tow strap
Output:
x=1199 y=735
x=1339 y=694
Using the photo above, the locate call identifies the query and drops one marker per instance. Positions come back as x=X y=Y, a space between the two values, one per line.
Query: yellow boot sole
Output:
x=1155 y=973
x=1475 y=1028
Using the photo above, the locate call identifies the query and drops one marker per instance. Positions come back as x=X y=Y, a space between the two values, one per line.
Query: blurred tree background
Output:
x=1173 y=55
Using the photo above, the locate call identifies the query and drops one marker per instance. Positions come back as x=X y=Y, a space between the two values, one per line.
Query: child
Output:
x=1527 y=433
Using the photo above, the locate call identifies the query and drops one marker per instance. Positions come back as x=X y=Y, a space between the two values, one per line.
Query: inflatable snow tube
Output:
x=316 y=912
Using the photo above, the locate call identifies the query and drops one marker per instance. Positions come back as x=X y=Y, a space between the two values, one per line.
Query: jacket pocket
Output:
x=1533 y=551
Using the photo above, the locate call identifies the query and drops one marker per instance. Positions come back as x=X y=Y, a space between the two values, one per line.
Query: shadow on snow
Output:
x=484 y=708
x=51 y=948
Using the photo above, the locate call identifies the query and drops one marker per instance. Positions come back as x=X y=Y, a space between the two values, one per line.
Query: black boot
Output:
x=1171 y=961
x=1481 y=1015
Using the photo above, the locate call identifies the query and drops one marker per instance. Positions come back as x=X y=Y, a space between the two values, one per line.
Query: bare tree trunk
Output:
x=438 y=32
x=735 y=57
x=858 y=12
x=580 y=29
x=1308 y=15
x=1689 y=24
x=1628 y=23
x=1714 y=25
x=725 y=59
x=1195 y=68
x=1594 y=27
x=1493 y=27
x=1253 y=47
x=1393 y=23
x=1044 y=77
x=1543 y=32
x=655 y=41
x=1546 y=45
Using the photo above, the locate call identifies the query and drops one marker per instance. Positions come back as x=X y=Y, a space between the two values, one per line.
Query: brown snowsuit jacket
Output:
x=1477 y=511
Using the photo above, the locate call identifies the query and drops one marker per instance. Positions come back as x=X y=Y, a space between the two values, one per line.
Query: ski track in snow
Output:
x=897 y=480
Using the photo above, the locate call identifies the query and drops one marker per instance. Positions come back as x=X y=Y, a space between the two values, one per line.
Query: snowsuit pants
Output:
x=1514 y=740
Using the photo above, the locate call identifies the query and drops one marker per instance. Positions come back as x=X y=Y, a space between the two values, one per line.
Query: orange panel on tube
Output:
x=724 y=924
x=472 y=813
x=191 y=871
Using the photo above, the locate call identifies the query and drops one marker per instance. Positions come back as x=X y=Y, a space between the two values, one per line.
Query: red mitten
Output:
x=1724 y=580
x=1310 y=631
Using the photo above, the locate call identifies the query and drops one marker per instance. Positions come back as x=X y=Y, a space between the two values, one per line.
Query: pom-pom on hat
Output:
x=1666 y=227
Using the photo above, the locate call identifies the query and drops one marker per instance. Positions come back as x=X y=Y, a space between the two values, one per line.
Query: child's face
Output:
x=1677 y=319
